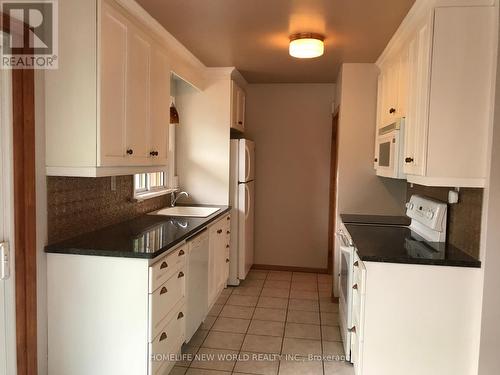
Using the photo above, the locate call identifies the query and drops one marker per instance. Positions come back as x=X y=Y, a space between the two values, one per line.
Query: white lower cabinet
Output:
x=218 y=259
x=415 y=319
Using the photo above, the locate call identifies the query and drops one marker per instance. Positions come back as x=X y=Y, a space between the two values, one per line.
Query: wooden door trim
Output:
x=24 y=175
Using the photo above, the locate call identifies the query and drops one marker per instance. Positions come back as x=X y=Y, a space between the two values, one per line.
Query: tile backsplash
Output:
x=78 y=205
x=464 y=218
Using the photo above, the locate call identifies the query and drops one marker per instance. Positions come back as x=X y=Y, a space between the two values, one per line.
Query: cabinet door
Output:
x=241 y=109
x=138 y=92
x=160 y=105
x=112 y=71
x=402 y=93
x=212 y=263
x=416 y=125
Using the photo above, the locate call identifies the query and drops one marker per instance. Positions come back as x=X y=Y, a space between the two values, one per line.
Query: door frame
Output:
x=333 y=192
x=24 y=184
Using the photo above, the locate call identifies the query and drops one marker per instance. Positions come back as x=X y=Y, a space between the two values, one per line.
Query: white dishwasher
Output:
x=197 y=283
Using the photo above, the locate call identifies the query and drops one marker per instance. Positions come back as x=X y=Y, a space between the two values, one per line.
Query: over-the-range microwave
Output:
x=388 y=160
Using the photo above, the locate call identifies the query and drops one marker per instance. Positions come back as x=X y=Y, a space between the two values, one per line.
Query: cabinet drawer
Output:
x=168 y=341
x=163 y=300
x=162 y=270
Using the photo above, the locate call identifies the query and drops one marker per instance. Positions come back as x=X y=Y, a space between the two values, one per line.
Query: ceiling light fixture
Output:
x=306 y=45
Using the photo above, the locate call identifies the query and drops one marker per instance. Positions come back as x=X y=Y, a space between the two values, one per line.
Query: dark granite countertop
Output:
x=375 y=219
x=399 y=244
x=147 y=236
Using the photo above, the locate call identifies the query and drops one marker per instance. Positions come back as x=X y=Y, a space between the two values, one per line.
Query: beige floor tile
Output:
x=214 y=359
x=303 y=305
x=209 y=322
x=247 y=291
x=222 y=299
x=252 y=282
x=257 y=275
x=223 y=340
x=330 y=333
x=231 y=325
x=215 y=310
x=199 y=371
x=310 y=286
x=304 y=276
x=273 y=302
x=324 y=279
x=277 y=284
x=177 y=370
x=301 y=347
x=301 y=368
x=329 y=319
x=227 y=291
x=240 y=312
x=275 y=292
x=329 y=307
x=333 y=349
x=303 y=331
x=307 y=317
x=338 y=368
x=280 y=275
x=188 y=353
x=262 y=344
x=236 y=300
x=303 y=294
x=275 y=315
x=255 y=363
x=198 y=337
x=266 y=328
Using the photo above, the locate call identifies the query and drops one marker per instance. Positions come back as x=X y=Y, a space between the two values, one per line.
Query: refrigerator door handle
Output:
x=248 y=161
x=247 y=202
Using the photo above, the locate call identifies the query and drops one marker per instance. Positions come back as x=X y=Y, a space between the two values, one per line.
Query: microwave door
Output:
x=386 y=148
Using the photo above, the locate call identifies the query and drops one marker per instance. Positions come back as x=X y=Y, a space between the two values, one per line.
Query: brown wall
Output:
x=464 y=218
x=78 y=205
x=291 y=127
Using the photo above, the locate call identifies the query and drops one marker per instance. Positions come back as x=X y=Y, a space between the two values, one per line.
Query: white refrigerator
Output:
x=242 y=175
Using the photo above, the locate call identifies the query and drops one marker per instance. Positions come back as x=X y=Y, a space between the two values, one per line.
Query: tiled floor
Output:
x=253 y=327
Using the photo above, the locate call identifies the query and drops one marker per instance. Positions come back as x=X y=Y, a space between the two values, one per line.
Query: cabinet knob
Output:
x=153 y=153
x=181 y=274
x=163 y=290
x=409 y=160
x=180 y=315
x=228 y=232
x=240 y=122
x=356 y=264
x=130 y=151
x=163 y=265
x=227 y=246
x=228 y=218
x=163 y=336
x=227 y=260
x=375 y=160
x=392 y=110
x=181 y=252
x=352 y=330
x=219 y=231
x=355 y=286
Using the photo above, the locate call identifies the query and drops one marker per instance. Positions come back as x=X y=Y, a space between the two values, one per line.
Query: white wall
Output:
x=489 y=359
x=291 y=126
x=202 y=137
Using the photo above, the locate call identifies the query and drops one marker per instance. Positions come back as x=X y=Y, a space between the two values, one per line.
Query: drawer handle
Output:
x=408 y=160
x=356 y=264
x=180 y=315
x=219 y=231
x=352 y=330
x=163 y=336
x=181 y=252
x=163 y=265
x=181 y=274
x=227 y=260
x=355 y=286
x=163 y=290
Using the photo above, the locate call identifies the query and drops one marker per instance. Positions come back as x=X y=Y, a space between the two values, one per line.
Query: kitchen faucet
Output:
x=174 y=198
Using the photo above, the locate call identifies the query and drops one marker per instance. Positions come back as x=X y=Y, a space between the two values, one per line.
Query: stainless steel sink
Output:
x=187 y=211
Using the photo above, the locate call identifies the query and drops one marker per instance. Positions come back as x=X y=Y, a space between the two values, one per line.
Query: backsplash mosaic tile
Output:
x=78 y=205
x=464 y=218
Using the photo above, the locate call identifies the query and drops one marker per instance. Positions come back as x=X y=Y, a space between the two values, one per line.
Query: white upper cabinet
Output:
x=442 y=60
x=238 y=98
x=121 y=126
